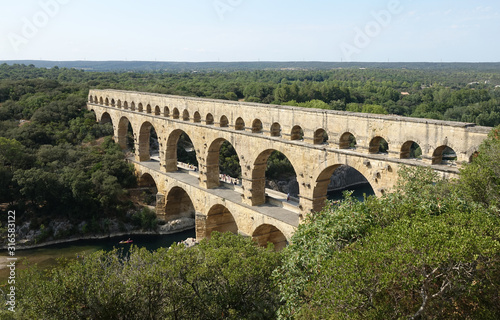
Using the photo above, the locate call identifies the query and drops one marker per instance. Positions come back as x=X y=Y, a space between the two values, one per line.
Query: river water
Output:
x=46 y=257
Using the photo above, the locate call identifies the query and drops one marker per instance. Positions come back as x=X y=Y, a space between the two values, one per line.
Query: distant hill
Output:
x=155 y=66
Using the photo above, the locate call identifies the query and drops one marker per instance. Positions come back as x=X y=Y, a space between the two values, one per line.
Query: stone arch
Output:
x=178 y=204
x=258 y=174
x=119 y=103
x=320 y=189
x=144 y=141
x=275 y=130
x=257 y=126
x=101 y=102
x=239 y=124
x=185 y=115
x=105 y=118
x=147 y=180
x=91 y=99
x=220 y=219
x=166 y=112
x=197 y=117
x=96 y=100
x=113 y=103
x=171 y=150
x=106 y=102
x=148 y=108
x=224 y=122
x=209 y=120
x=125 y=105
x=148 y=189
x=132 y=106
x=320 y=136
x=297 y=133
x=212 y=164
x=157 y=111
x=347 y=141
x=123 y=126
x=378 y=145
x=175 y=113
x=140 y=107
x=410 y=150
x=444 y=155
x=268 y=233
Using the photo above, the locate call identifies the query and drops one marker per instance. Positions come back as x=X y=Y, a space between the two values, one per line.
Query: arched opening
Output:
x=257 y=126
x=119 y=103
x=209 y=120
x=91 y=99
x=166 y=112
x=105 y=118
x=275 y=130
x=347 y=141
x=240 y=124
x=125 y=105
x=273 y=170
x=146 y=193
x=113 y=102
x=444 y=155
x=175 y=113
x=148 y=142
x=178 y=205
x=223 y=122
x=96 y=100
x=132 y=106
x=335 y=180
x=106 y=102
x=223 y=164
x=267 y=233
x=101 y=101
x=297 y=133
x=197 y=117
x=180 y=149
x=148 y=109
x=140 y=108
x=185 y=115
x=220 y=219
x=320 y=137
x=157 y=111
x=410 y=150
x=126 y=135
x=379 y=145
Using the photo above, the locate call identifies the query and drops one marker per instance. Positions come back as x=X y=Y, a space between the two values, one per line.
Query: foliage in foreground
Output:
x=226 y=277
x=422 y=252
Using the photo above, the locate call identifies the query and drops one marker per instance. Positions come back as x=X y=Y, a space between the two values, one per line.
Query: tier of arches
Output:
x=218 y=218
x=378 y=145
x=411 y=149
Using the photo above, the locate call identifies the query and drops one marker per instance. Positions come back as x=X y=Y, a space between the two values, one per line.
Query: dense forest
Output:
x=430 y=249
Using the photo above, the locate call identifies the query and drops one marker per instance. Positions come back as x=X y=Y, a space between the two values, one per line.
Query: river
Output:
x=47 y=257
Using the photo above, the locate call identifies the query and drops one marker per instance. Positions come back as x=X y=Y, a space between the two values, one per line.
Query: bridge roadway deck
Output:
x=281 y=214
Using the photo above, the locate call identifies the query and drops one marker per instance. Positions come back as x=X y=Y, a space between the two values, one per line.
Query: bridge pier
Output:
x=200 y=225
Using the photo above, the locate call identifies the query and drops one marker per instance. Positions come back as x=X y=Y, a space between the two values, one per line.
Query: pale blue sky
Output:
x=251 y=30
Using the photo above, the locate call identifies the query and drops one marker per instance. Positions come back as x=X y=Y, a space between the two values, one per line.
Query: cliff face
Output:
x=343 y=177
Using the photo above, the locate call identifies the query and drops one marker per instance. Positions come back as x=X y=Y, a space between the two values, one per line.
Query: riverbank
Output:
x=26 y=239
x=20 y=246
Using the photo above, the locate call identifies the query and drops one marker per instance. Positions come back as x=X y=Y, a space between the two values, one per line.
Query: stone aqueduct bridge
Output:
x=255 y=131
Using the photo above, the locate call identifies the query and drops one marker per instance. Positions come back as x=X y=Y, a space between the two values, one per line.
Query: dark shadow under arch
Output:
x=220 y=219
x=266 y=233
